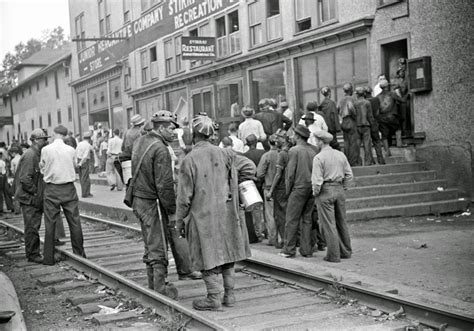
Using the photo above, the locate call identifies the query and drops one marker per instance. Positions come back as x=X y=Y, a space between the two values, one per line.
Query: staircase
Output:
x=399 y=188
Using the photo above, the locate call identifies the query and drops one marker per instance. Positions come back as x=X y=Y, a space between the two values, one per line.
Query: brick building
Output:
x=285 y=49
x=43 y=97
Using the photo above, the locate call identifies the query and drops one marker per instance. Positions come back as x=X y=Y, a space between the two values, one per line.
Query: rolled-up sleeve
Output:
x=317 y=178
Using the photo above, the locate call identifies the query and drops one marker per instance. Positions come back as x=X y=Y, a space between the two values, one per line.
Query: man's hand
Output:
x=180 y=228
x=268 y=195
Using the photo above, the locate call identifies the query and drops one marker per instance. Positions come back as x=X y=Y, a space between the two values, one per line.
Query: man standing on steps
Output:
x=349 y=124
x=330 y=174
x=83 y=153
x=300 y=198
x=329 y=109
x=57 y=164
x=207 y=206
x=374 y=127
x=365 y=120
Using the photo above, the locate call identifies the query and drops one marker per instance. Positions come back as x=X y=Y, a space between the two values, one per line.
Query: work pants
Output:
x=298 y=217
x=211 y=277
x=179 y=247
x=334 y=143
x=56 y=197
x=5 y=194
x=270 y=220
x=113 y=178
x=257 y=217
x=377 y=143
x=351 y=142
x=84 y=179
x=332 y=212
x=317 y=237
x=279 y=208
x=153 y=231
x=363 y=135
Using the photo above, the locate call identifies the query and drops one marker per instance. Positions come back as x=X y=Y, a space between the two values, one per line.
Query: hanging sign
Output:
x=198 y=48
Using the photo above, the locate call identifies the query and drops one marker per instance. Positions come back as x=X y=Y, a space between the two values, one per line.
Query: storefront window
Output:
x=147 y=107
x=268 y=82
x=177 y=102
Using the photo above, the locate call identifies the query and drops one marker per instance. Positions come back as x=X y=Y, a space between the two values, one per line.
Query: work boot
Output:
x=229 y=283
x=149 y=274
x=160 y=285
x=195 y=275
x=385 y=146
x=398 y=136
x=213 y=299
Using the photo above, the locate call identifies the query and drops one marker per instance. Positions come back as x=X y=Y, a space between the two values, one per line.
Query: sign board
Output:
x=164 y=19
x=198 y=48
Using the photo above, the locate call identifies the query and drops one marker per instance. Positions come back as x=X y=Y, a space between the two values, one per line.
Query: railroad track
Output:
x=268 y=296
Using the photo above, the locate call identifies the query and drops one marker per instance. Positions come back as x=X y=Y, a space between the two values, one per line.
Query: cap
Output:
x=226 y=141
x=273 y=139
x=325 y=90
x=137 y=120
x=165 y=116
x=204 y=125
x=39 y=134
x=347 y=87
x=284 y=104
x=360 y=90
x=325 y=136
x=383 y=83
x=87 y=135
x=247 y=111
x=368 y=89
x=14 y=149
x=263 y=102
x=281 y=133
x=251 y=139
x=308 y=116
x=60 y=129
x=312 y=106
x=302 y=131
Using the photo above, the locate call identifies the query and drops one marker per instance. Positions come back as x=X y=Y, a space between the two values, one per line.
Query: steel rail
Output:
x=165 y=306
x=425 y=313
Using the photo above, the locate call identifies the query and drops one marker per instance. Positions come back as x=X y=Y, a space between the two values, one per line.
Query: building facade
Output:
x=42 y=97
x=283 y=49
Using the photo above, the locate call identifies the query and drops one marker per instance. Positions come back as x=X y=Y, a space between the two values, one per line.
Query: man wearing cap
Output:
x=251 y=126
x=130 y=136
x=329 y=109
x=271 y=119
x=83 y=153
x=330 y=174
x=365 y=120
x=57 y=164
x=348 y=114
x=374 y=127
x=313 y=121
x=300 y=197
x=266 y=172
x=389 y=117
x=217 y=237
x=29 y=188
x=286 y=111
x=237 y=144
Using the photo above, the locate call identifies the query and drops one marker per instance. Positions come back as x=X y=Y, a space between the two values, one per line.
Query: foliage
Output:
x=54 y=39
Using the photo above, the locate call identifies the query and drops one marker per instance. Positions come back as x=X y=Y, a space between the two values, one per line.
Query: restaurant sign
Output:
x=198 y=48
x=168 y=17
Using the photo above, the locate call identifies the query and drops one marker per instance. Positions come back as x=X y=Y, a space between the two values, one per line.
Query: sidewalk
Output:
x=426 y=257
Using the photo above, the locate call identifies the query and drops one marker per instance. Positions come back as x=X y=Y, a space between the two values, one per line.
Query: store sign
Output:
x=198 y=48
x=170 y=16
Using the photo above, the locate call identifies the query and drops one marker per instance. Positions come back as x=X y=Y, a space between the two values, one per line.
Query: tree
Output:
x=54 y=39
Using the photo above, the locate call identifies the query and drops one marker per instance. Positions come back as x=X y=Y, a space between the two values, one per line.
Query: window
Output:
x=102 y=96
x=255 y=24
x=204 y=31
x=49 y=119
x=173 y=62
x=83 y=103
x=153 y=63
x=127 y=73
x=37 y=85
x=46 y=81
x=311 y=14
x=104 y=18
x=69 y=113
x=80 y=32
x=273 y=20
x=149 y=64
x=56 y=84
x=228 y=34
x=144 y=60
x=116 y=92
x=59 y=116
x=126 y=11
x=32 y=124
x=94 y=99
x=40 y=121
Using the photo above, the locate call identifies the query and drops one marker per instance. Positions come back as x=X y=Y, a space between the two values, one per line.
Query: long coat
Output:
x=208 y=199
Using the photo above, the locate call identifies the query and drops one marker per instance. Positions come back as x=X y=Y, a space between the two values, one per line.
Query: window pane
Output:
x=302 y=9
x=205 y=30
x=307 y=73
x=234 y=21
x=344 y=65
x=197 y=107
x=253 y=16
x=207 y=99
x=360 y=65
x=273 y=7
x=177 y=45
x=220 y=27
x=168 y=48
x=268 y=82
x=326 y=68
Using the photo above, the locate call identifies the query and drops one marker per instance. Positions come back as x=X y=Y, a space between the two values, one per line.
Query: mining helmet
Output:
x=39 y=134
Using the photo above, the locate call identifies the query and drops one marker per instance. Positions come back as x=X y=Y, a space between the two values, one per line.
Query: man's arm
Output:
x=261 y=132
x=185 y=194
x=164 y=182
x=348 y=176
x=290 y=172
x=26 y=174
x=317 y=177
x=262 y=167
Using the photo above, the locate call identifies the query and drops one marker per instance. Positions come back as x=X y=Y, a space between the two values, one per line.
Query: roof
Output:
x=44 y=57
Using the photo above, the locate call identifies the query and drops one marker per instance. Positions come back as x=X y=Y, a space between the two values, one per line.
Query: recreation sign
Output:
x=198 y=48
x=168 y=17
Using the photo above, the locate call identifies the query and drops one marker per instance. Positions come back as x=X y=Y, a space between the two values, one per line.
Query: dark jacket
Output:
x=70 y=141
x=29 y=184
x=364 y=112
x=155 y=177
x=329 y=109
x=272 y=121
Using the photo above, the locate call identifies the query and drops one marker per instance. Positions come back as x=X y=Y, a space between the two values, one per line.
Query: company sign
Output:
x=198 y=48
x=170 y=16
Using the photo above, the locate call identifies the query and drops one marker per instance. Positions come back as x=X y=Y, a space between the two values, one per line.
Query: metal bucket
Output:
x=249 y=195
x=126 y=170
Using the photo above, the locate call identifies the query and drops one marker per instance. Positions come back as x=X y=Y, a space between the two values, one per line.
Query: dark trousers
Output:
x=32 y=223
x=5 y=194
x=332 y=213
x=279 y=211
x=334 y=143
x=351 y=143
x=298 y=217
x=85 y=180
x=363 y=135
x=317 y=237
x=377 y=143
x=55 y=197
x=179 y=248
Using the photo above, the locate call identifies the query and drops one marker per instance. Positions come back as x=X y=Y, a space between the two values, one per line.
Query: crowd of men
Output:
x=184 y=185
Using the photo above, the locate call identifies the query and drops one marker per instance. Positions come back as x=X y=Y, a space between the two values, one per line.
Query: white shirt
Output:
x=3 y=167
x=377 y=90
x=14 y=163
x=288 y=113
x=237 y=144
x=115 y=145
x=251 y=126
x=179 y=134
x=57 y=163
x=319 y=124
x=83 y=150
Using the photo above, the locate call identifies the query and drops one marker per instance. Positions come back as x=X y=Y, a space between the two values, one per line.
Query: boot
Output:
x=398 y=136
x=229 y=282
x=159 y=284
x=385 y=146
x=149 y=274
x=213 y=300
